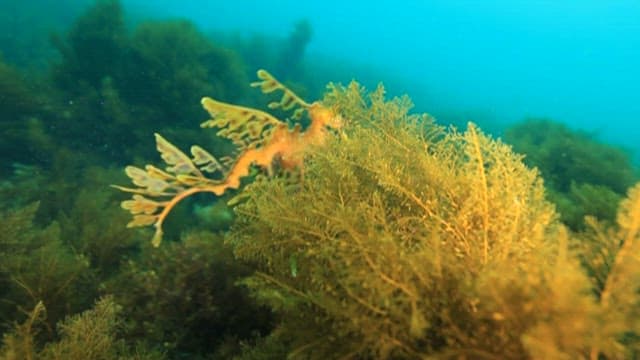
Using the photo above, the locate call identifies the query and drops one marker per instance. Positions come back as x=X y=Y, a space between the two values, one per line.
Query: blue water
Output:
x=493 y=62
x=574 y=61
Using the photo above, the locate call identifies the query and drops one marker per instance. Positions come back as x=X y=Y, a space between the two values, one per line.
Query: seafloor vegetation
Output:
x=386 y=236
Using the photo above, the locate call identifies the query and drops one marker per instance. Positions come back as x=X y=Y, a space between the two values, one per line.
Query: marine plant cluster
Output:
x=408 y=240
x=582 y=176
x=346 y=227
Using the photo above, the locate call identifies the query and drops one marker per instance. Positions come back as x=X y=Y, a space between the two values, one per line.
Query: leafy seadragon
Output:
x=262 y=140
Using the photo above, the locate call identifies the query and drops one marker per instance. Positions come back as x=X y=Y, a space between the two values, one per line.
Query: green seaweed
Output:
x=93 y=49
x=61 y=255
x=93 y=227
x=400 y=239
x=93 y=334
x=113 y=86
x=585 y=200
x=37 y=267
x=183 y=299
x=584 y=176
x=16 y=99
x=18 y=106
x=172 y=63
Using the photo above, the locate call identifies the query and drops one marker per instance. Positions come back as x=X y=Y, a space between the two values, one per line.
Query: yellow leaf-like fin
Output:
x=205 y=160
x=158 y=173
x=129 y=190
x=239 y=124
x=142 y=220
x=140 y=205
x=138 y=176
x=157 y=237
x=173 y=156
x=152 y=180
x=289 y=99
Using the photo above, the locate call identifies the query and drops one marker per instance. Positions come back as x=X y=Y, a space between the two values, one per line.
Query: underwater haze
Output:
x=493 y=62
x=227 y=180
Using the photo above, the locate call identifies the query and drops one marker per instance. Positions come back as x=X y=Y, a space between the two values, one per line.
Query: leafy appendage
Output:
x=205 y=160
x=243 y=126
x=261 y=140
x=289 y=99
x=182 y=178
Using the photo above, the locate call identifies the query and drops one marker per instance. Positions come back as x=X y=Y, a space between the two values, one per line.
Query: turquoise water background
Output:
x=577 y=62
x=493 y=62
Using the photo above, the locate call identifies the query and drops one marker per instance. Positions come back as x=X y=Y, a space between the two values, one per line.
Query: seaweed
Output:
x=407 y=240
x=18 y=106
x=584 y=176
x=583 y=200
x=60 y=255
x=171 y=63
x=94 y=334
x=94 y=48
x=183 y=298
x=110 y=78
x=592 y=313
x=93 y=228
x=16 y=99
x=37 y=267
x=381 y=251
x=20 y=343
x=564 y=156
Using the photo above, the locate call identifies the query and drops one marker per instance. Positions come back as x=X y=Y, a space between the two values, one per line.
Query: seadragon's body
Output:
x=262 y=141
